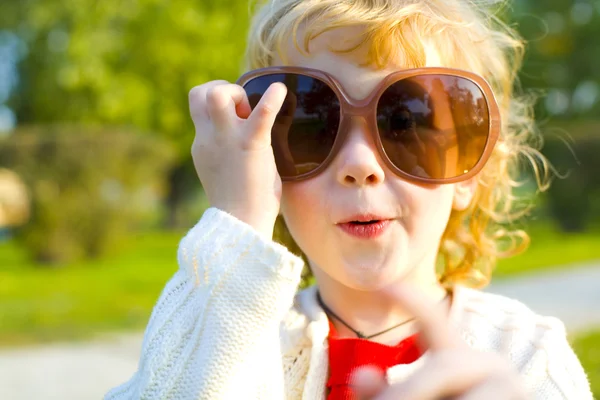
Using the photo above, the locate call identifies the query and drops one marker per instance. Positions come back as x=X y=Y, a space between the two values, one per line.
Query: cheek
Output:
x=301 y=206
x=430 y=209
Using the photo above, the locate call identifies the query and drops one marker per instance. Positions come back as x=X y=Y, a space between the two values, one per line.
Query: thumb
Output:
x=367 y=382
x=263 y=116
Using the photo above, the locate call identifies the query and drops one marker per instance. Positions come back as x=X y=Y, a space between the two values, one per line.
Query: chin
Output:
x=370 y=278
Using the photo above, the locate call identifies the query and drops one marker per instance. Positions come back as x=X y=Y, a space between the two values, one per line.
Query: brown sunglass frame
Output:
x=367 y=109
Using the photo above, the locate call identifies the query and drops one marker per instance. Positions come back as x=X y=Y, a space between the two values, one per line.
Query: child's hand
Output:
x=232 y=151
x=453 y=370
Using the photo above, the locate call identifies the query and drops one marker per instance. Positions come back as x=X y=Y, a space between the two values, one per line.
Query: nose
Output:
x=358 y=163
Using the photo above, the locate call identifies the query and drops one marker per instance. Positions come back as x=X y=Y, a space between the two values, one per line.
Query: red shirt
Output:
x=347 y=354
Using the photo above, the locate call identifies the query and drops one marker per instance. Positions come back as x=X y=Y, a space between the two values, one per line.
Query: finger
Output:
x=291 y=104
x=446 y=374
x=496 y=389
x=263 y=116
x=286 y=114
x=367 y=382
x=223 y=102
x=243 y=110
x=197 y=99
x=436 y=332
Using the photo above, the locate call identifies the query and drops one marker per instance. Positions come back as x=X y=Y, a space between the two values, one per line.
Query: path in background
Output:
x=69 y=371
x=571 y=294
x=87 y=370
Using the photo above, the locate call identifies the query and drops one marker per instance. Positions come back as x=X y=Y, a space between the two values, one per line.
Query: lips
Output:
x=365 y=226
x=363 y=219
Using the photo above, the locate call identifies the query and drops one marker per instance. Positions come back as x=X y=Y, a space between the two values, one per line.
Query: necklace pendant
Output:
x=360 y=335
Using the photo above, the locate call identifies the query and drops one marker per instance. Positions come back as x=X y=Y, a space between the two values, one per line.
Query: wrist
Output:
x=261 y=222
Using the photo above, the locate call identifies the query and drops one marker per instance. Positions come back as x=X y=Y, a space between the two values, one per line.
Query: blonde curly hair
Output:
x=467 y=34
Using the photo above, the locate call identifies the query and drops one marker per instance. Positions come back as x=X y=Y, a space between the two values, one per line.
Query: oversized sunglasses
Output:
x=429 y=125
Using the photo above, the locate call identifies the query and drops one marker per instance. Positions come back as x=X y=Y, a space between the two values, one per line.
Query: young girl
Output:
x=386 y=135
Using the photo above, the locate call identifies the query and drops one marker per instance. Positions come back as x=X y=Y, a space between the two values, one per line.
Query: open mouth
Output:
x=374 y=221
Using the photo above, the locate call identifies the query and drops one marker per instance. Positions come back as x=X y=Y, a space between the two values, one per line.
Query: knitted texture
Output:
x=229 y=325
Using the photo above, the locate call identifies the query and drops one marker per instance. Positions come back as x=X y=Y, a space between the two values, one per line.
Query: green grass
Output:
x=117 y=293
x=78 y=301
x=587 y=348
x=550 y=249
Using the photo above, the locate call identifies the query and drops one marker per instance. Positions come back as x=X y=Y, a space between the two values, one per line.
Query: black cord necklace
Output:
x=359 y=334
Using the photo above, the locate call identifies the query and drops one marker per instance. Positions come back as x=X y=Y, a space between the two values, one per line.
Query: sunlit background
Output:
x=97 y=184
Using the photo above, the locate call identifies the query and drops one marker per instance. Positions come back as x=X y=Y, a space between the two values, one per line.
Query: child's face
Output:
x=358 y=182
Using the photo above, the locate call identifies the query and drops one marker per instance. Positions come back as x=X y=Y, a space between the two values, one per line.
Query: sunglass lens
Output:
x=433 y=126
x=307 y=124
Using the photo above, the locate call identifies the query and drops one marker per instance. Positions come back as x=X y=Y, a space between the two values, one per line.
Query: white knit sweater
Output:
x=229 y=326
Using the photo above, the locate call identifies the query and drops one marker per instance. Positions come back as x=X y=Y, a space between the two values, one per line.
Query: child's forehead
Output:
x=357 y=81
x=348 y=68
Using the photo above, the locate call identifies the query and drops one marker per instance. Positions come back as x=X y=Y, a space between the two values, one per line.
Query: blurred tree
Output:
x=572 y=200
x=132 y=62
x=562 y=55
x=127 y=62
x=89 y=186
x=561 y=62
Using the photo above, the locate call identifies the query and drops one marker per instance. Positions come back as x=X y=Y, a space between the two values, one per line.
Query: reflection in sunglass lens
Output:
x=307 y=124
x=433 y=126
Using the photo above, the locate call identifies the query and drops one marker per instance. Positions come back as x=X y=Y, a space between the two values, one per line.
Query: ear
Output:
x=463 y=194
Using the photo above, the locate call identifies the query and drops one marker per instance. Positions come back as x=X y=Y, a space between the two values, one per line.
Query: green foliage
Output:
x=130 y=62
x=573 y=149
x=562 y=54
x=88 y=186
